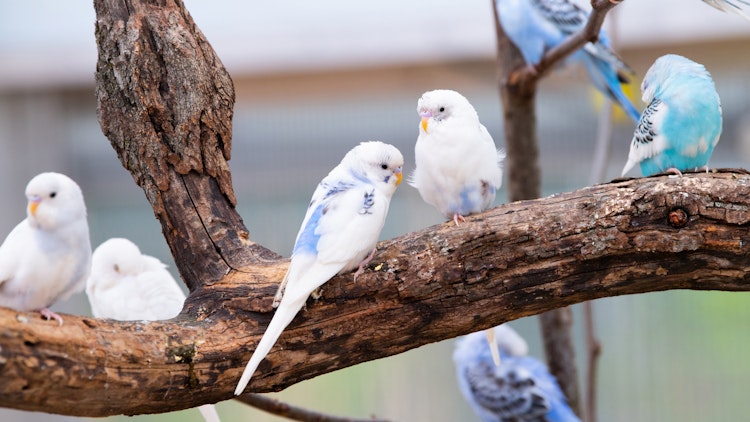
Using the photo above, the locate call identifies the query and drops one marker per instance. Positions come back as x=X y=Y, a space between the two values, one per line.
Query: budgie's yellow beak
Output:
x=424 y=123
x=399 y=176
x=33 y=205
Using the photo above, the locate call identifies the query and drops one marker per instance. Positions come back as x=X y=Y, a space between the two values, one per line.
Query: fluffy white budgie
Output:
x=733 y=6
x=127 y=285
x=520 y=389
x=458 y=169
x=338 y=234
x=682 y=123
x=47 y=256
x=536 y=26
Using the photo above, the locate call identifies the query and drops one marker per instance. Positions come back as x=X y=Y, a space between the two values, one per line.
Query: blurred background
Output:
x=315 y=78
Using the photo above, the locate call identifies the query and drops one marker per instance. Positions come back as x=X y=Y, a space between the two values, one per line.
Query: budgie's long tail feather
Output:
x=606 y=80
x=209 y=413
x=284 y=315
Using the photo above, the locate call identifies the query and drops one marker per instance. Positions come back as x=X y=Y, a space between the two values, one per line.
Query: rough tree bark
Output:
x=518 y=83
x=519 y=259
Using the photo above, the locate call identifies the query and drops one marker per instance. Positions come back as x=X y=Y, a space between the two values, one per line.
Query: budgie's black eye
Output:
x=384 y=166
x=53 y=194
x=441 y=109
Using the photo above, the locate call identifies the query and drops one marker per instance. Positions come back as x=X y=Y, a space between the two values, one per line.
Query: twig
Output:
x=279 y=408
x=529 y=75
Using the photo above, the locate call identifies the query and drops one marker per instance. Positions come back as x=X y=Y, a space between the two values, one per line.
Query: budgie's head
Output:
x=666 y=72
x=378 y=162
x=54 y=200
x=443 y=105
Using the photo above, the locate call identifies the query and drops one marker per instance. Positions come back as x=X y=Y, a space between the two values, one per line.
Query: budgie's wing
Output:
x=507 y=391
x=648 y=140
x=565 y=15
x=10 y=252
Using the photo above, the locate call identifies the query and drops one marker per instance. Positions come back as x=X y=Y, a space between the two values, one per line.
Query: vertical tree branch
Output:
x=518 y=91
x=165 y=102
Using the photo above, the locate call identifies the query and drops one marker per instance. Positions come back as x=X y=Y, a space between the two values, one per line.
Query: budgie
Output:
x=520 y=389
x=682 y=123
x=339 y=233
x=536 y=26
x=458 y=169
x=127 y=285
x=47 y=256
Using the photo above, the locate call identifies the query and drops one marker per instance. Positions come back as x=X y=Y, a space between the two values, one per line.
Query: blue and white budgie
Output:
x=458 y=169
x=682 y=123
x=339 y=233
x=520 y=389
x=733 y=6
x=47 y=256
x=127 y=285
x=536 y=26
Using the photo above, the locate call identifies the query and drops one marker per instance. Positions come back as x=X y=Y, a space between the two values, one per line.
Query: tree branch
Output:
x=516 y=260
x=282 y=409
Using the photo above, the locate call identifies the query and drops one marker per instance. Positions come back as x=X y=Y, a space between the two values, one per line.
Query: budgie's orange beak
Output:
x=33 y=204
x=399 y=176
x=424 y=123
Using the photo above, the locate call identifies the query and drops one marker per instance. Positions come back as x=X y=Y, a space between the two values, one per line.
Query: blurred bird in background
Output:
x=520 y=389
x=536 y=26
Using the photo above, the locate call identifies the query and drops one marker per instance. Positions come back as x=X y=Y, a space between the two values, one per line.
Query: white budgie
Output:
x=458 y=169
x=47 y=256
x=127 y=285
x=339 y=233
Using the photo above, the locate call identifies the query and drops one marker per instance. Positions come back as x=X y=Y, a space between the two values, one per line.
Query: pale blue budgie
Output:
x=536 y=26
x=339 y=233
x=682 y=123
x=457 y=165
x=521 y=389
x=127 y=285
x=734 y=6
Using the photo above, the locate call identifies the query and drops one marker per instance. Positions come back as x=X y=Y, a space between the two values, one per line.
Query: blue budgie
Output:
x=536 y=26
x=521 y=389
x=338 y=234
x=734 y=6
x=682 y=123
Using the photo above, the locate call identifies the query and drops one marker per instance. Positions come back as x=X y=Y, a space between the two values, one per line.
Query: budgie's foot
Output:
x=279 y=294
x=458 y=217
x=363 y=264
x=317 y=293
x=673 y=170
x=704 y=168
x=51 y=315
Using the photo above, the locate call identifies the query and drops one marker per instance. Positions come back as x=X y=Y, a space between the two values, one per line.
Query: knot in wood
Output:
x=678 y=218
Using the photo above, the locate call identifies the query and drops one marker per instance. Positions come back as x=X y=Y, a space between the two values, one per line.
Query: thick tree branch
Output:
x=166 y=104
x=519 y=259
